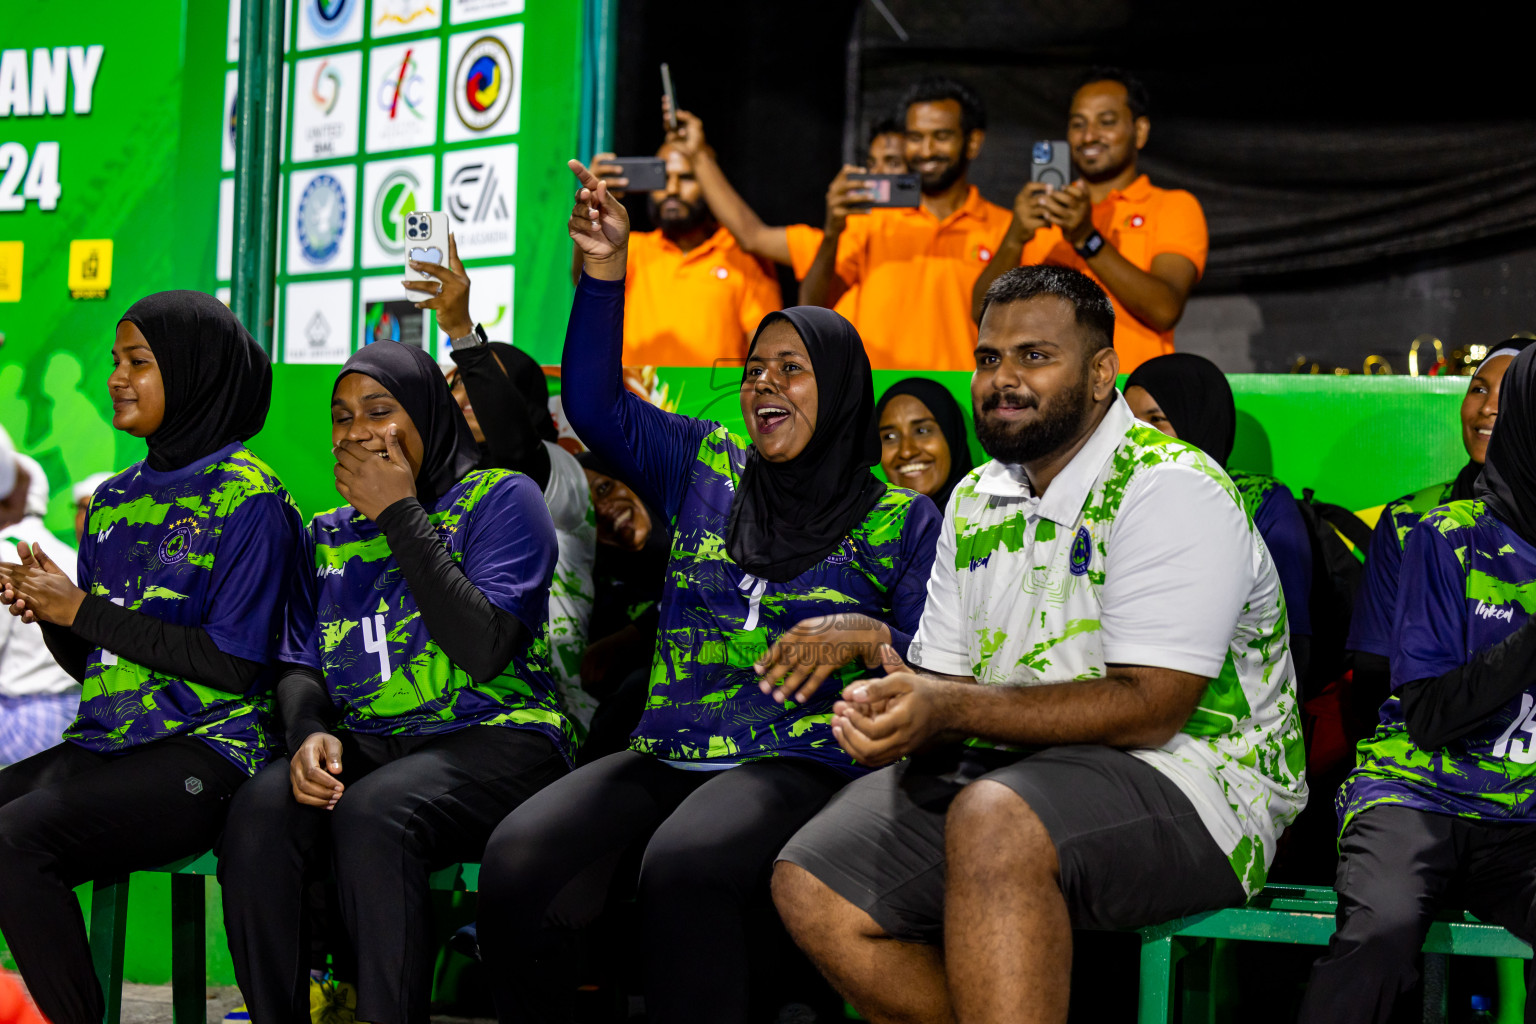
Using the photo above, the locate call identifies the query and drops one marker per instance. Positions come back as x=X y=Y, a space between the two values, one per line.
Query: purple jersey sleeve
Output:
x=653 y=451
x=510 y=550
x=1370 y=627
x=1430 y=631
x=250 y=577
x=301 y=642
x=1285 y=534
x=919 y=539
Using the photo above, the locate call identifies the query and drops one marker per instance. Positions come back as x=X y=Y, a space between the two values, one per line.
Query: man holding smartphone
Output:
x=912 y=268
x=692 y=294
x=1146 y=246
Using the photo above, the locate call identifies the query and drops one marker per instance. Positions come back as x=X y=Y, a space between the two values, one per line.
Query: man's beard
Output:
x=696 y=216
x=1108 y=173
x=936 y=184
x=1059 y=422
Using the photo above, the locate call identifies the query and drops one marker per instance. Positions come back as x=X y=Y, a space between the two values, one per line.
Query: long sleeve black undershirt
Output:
x=510 y=438
x=70 y=651
x=304 y=704
x=476 y=635
x=1442 y=710
x=187 y=652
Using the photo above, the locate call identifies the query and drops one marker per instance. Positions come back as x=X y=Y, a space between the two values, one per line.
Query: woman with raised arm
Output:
x=184 y=572
x=791 y=566
x=415 y=693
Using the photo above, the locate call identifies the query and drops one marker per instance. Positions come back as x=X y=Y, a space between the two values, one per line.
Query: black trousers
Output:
x=1397 y=867
x=709 y=838
x=70 y=815
x=411 y=804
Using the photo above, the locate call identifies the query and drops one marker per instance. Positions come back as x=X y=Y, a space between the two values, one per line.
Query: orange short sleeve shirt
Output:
x=913 y=276
x=1141 y=222
x=690 y=309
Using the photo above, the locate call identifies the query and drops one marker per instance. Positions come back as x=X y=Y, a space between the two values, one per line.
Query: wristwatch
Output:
x=474 y=339
x=1091 y=246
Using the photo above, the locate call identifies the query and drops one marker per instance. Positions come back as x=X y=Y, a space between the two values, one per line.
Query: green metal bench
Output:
x=189 y=932
x=1295 y=914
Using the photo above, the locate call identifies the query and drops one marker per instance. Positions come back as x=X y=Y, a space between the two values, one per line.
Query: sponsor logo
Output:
x=318 y=331
x=483 y=83
x=234 y=120
x=328 y=570
x=322 y=218
x=395 y=199
x=329 y=17
x=1488 y=611
x=401 y=91
x=326 y=88
x=721 y=273
x=1081 y=553
x=193 y=784
x=399 y=15
x=1135 y=220
x=475 y=194
x=843 y=555
x=176 y=544
x=983 y=254
x=101 y=537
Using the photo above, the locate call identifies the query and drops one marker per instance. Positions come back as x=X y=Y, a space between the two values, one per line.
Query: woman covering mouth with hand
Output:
x=791 y=565
x=415 y=693
x=922 y=438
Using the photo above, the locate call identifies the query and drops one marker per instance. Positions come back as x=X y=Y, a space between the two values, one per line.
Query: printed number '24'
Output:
x=1518 y=751
x=376 y=641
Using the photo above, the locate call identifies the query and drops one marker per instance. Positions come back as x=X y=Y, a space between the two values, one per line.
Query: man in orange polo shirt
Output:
x=913 y=268
x=692 y=295
x=1145 y=245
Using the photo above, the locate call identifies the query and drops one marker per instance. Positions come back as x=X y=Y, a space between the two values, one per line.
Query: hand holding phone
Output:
x=888 y=190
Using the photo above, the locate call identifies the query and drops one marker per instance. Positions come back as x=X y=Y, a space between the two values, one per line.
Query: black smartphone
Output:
x=1051 y=162
x=645 y=173
x=890 y=189
x=666 y=89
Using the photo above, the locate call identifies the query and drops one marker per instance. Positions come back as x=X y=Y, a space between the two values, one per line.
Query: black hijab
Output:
x=1508 y=484
x=1195 y=396
x=447 y=447
x=528 y=378
x=950 y=418
x=787 y=516
x=1464 y=488
x=217 y=380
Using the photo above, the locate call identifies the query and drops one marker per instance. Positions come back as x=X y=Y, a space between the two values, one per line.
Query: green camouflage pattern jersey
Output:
x=356 y=621
x=1370 y=628
x=1017 y=599
x=1467 y=582
x=210 y=545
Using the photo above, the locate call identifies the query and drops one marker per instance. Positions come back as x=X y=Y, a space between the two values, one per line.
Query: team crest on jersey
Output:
x=175 y=545
x=1081 y=553
x=843 y=555
x=1135 y=220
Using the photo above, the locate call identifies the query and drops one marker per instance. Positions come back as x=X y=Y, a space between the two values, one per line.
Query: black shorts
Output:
x=1132 y=849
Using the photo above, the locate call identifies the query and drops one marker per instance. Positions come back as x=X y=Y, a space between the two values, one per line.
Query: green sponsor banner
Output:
x=117 y=180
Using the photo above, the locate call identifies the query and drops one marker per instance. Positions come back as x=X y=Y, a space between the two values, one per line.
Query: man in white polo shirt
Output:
x=1133 y=751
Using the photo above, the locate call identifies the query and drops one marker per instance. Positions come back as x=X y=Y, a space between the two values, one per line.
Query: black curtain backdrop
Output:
x=1368 y=172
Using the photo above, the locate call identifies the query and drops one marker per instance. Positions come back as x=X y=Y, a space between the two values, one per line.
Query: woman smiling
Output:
x=791 y=566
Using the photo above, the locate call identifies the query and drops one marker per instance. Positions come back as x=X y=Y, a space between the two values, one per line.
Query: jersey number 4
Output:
x=376 y=641
x=1518 y=751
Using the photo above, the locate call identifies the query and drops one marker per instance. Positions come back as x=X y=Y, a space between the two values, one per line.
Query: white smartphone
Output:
x=426 y=241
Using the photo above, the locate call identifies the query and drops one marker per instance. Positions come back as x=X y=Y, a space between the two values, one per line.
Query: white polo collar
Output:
x=1063 y=500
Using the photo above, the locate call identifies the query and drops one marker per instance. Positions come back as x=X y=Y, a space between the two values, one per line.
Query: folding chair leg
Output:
x=109 y=932
x=1436 y=990
x=189 y=945
x=1199 y=985
x=1155 y=1000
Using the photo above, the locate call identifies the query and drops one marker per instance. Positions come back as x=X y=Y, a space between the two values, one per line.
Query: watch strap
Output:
x=1092 y=245
x=474 y=339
